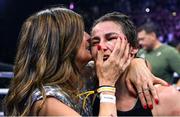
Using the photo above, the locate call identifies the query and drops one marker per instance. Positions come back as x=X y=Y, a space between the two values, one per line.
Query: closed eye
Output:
x=112 y=38
x=95 y=41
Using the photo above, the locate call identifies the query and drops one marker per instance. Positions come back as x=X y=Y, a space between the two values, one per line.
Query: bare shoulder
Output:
x=53 y=107
x=169 y=101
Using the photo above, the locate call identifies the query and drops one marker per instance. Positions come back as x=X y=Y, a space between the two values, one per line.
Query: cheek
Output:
x=111 y=45
x=94 y=51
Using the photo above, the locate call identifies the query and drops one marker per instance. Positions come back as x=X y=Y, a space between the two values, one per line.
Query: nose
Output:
x=140 y=42
x=103 y=46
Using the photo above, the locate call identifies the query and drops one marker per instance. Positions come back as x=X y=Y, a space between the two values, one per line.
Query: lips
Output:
x=105 y=57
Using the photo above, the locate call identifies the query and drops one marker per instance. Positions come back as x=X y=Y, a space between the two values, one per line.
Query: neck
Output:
x=121 y=87
x=125 y=100
x=157 y=44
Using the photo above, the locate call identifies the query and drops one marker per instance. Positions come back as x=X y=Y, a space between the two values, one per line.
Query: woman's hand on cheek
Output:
x=110 y=70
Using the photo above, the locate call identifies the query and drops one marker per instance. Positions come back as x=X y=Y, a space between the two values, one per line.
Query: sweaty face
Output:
x=145 y=40
x=105 y=34
x=84 y=55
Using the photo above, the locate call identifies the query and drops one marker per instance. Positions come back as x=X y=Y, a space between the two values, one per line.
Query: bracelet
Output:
x=106 y=86
x=105 y=98
x=104 y=89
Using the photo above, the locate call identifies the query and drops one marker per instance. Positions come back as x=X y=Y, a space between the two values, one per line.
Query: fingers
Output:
x=116 y=49
x=120 y=54
x=154 y=93
x=100 y=54
x=126 y=61
x=123 y=47
x=119 y=49
x=153 y=89
x=130 y=87
x=147 y=95
x=160 y=81
x=141 y=97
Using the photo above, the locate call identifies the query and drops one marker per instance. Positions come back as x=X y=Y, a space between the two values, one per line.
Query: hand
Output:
x=110 y=70
x=141 y=77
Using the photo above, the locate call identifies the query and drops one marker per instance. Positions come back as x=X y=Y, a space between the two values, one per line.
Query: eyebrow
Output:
x=111 y=33
x=106 y=35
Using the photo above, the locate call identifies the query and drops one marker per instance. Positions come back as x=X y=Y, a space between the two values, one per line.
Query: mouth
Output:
x=105 y=57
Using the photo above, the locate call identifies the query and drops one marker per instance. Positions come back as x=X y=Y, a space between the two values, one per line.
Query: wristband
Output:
x=105 y=98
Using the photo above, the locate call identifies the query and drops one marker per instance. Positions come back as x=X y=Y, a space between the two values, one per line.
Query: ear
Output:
x=133 y=50
x=153 y=34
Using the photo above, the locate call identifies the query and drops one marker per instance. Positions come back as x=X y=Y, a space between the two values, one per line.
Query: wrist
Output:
x=102 y=83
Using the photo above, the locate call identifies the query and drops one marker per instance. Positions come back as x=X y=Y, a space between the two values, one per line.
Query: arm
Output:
x=142 y=79
x=173 y=58
x=169 y=104
x=53 y=107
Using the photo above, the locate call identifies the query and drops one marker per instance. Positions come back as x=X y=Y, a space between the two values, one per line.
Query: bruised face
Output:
x=105 y=34
x=84 y=55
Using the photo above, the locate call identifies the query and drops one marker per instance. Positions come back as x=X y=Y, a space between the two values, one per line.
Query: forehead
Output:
x=141 y=34
x=106 y=27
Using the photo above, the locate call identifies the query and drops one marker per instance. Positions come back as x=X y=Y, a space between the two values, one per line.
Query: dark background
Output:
x=14 y=12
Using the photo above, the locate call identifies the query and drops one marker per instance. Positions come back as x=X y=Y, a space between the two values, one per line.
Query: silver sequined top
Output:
x=58 y=93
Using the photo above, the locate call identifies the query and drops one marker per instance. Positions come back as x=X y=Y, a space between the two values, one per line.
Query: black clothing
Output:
x=138 y=110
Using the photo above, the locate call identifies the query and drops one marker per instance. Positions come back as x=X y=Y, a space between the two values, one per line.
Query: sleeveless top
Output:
x=58 y=93
x=138 y=110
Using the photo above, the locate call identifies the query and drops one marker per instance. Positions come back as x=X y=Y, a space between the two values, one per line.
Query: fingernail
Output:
x=120 y=38
x=145 y=106
x=98 y=47
x=151 y=106
x=156 y=101
x=168 y=85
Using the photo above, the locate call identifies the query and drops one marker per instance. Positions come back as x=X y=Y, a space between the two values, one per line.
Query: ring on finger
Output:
x=139 y=92
x=146 y=89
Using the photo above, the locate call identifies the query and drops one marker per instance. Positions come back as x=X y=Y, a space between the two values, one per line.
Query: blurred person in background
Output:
x=164 y=59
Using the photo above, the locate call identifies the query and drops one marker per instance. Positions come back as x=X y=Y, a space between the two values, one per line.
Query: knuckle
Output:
x=138 y=82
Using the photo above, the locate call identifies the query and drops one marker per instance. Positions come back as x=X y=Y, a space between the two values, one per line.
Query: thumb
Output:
x=160 y=81
x=130 y=87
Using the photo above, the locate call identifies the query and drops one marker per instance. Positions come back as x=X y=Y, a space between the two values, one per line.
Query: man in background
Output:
x=164 y=59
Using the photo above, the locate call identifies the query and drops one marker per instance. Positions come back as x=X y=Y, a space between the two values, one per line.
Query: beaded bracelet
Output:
x=105 y=88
